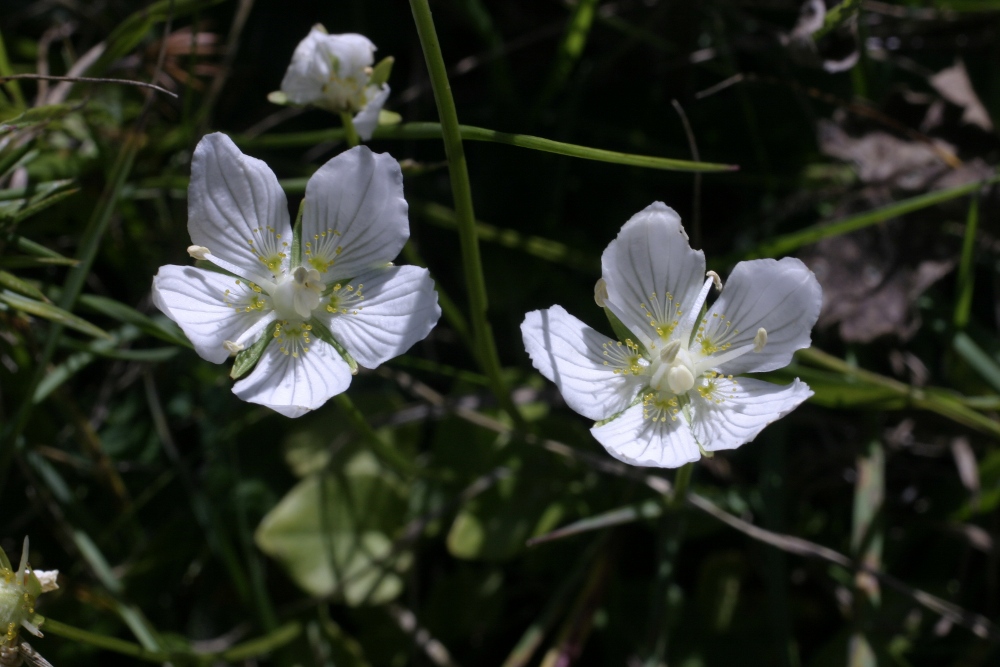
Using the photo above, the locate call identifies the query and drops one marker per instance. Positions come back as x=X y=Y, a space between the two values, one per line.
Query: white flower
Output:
x=668 y=392
x=354 y=223
x=333 y=72
x=18 y=592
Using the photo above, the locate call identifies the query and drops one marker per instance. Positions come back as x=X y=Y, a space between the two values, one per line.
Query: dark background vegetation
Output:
x=143 y=479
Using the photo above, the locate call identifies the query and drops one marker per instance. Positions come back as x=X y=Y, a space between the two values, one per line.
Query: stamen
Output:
x=247 y=297
x=601 y=292
x=669 y=353
x=716 y=361
x=760 y=340
x=712 y=390
x=657 y=407
x=233 y=348
x=694 y=312
x=663 y=315
x=293 y=340
x=344 y=298
x=624 y=357
x=321 y=253
x=198 y=251
x=268 y=248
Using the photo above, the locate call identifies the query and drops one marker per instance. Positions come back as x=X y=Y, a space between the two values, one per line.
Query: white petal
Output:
x=293 y=386
x=571 y=354
x=637 y=440
x=234 y=199
x=744 y=410
x=196 y=300
x=399 y=308
x=651 y=255
x=355 y=217
x=308 y=71
x=782 y=297
x=367 y=119
x=49 y=579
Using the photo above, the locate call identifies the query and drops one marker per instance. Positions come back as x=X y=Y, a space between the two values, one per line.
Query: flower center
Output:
x=344 y=91
x=298 y=294
x=673 y=370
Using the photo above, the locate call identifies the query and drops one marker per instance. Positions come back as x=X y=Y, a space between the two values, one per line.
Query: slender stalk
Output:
x=462 y=193
x=681 y=482
x=382 y=450
x=249 y=649
x=350 y=134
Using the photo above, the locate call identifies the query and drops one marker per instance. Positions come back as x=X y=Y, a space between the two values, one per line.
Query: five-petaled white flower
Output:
x=334 y=72
x=342 y=288
x=670 y=391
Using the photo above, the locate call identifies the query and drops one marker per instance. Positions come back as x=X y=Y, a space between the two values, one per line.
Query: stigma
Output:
x=298 y=294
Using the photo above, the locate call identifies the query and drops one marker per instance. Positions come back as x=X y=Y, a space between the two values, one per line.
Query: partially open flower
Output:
x=669 y=389
x=334 y=72
x=18 y=592
x=302 y=316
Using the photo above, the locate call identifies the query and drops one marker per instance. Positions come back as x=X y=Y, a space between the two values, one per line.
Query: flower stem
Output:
x=465 y=214
x=681 y=482
x=350 y=134
x=382 y=450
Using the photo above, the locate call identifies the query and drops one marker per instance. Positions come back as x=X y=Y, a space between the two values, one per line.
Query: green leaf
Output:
x=570 y=50
x=14 y=158
x=381 y=71
x=837 y=15
x=53 y=313
x=386 y=117
x=496 y=525
x=966 y=268
x=248 y=358
x=30 y=247
x=977 y=358
x=36 y=115
x=623 y=333
x=323 y=333
x=32 y=200
x=12 y=282
x=119 y=311
x=789 y=242
x=650 y=509
x=332 y=533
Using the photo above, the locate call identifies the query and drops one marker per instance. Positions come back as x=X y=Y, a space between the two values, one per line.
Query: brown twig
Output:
x=87 y=79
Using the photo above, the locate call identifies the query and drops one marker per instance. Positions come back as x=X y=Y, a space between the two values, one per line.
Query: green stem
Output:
x=255 y=647
x=383 y=450
x=350 y=134
x=462 y=193
x=682 y=480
